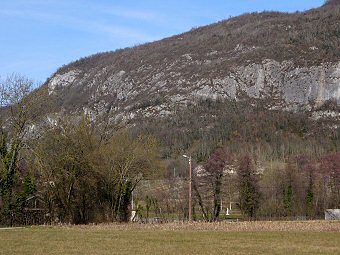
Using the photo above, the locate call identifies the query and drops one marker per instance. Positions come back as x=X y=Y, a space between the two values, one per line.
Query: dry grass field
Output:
x=316 y=237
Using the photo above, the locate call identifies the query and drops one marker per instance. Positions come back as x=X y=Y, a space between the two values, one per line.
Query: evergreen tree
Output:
x=249 y=193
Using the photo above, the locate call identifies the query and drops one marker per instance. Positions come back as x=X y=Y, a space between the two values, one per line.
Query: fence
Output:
x=26 y=218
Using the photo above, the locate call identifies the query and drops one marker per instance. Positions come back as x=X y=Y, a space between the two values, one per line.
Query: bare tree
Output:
x=127 y=161
x=216 y=166
x=14 y=122
x=212 y=182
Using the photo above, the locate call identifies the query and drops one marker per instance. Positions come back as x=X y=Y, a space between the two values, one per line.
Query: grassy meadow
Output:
x=316 y=237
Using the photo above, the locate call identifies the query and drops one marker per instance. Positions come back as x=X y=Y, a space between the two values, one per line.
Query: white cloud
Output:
x=105 y=27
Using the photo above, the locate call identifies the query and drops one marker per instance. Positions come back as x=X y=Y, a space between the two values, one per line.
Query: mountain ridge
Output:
x=269 y=55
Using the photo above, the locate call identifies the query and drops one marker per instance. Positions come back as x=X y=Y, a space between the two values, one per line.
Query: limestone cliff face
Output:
x=282 y=83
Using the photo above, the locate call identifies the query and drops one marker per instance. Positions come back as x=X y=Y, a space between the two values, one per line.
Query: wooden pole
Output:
x=190 y=189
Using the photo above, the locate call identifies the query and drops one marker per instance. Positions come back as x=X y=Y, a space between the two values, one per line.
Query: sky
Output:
x=39 y=36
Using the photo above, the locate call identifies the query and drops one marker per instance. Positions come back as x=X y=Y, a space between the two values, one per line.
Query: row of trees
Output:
x=84 y=179
x=300 y=188
x=76 y=178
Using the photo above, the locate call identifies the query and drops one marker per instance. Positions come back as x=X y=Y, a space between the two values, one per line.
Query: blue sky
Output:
x=38 y=36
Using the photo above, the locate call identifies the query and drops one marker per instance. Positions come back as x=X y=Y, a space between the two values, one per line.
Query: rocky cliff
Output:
x=290 y=60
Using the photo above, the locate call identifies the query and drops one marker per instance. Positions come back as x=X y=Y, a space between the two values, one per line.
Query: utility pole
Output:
x=190 y=186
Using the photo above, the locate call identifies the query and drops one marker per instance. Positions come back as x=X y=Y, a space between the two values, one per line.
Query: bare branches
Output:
x=14 y=89
x=13 y=92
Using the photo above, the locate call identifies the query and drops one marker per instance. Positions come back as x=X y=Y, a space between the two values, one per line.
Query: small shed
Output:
x=332 y=214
